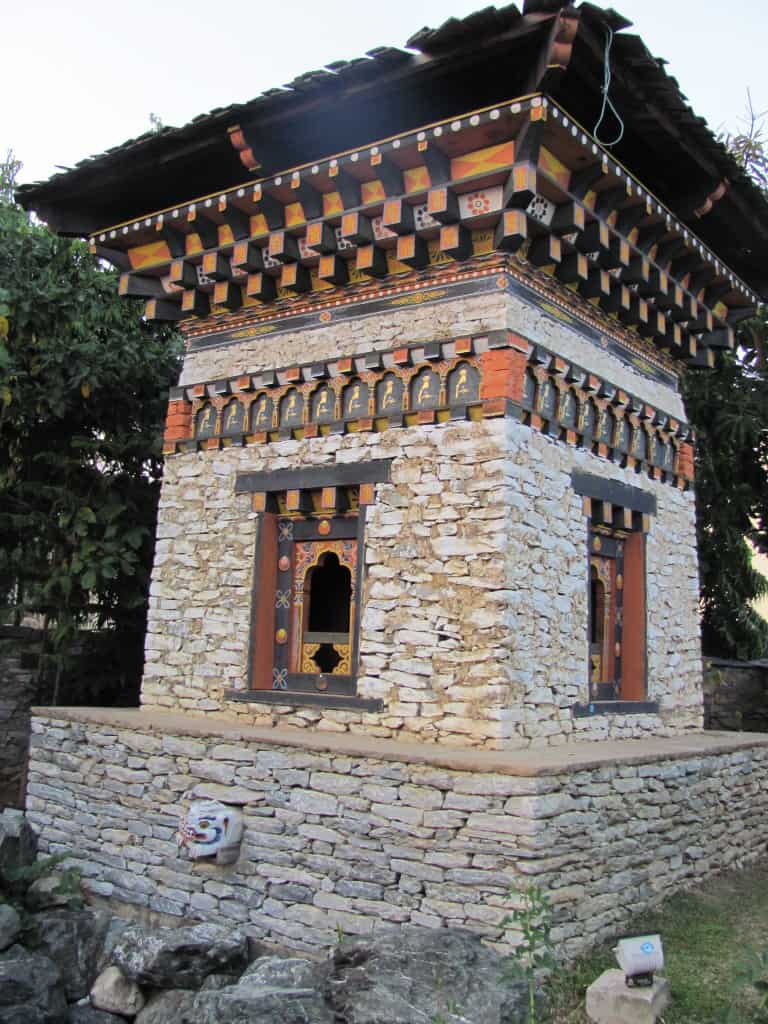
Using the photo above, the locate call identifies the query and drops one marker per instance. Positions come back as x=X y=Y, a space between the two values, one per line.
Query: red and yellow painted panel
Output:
x=482 y=161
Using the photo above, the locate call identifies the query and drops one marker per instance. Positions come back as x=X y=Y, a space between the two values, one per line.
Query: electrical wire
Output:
x=607 y=102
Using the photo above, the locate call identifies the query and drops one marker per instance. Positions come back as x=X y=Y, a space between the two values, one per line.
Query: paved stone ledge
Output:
x=357 y=834
x=522 y=762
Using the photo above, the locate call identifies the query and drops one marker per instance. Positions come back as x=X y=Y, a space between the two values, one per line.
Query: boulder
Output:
x=214 y=982
x=115 y=993
x=53 y=889
x=30 y=989
x=18 y=843
x=84 y=1013
x=290 y=973
x=117 y=926
x=74 y=939
x=165 y=1007
x=10 y=925
x=402 y=975
x=273 y=990
x=179 y=957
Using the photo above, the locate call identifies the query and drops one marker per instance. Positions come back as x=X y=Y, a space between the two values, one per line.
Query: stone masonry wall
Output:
x=475 y=593
x=476 y=572
x=431 y=321
x=357 y=835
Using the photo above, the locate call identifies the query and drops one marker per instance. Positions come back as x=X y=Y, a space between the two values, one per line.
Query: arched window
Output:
x=329 y=596
x=326 y=620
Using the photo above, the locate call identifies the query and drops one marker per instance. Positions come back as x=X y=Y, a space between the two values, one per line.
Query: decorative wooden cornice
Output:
x=523 y=172
x=499 y=373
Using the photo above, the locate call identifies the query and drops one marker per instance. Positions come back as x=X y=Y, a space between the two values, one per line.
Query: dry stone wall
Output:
x=352 y=337
x=555 y=334
x=357 y=839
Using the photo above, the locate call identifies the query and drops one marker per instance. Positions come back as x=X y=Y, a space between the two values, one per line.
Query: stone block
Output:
x=611 y=1001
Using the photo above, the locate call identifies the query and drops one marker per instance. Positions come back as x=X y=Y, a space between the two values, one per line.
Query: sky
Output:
x=84 y=75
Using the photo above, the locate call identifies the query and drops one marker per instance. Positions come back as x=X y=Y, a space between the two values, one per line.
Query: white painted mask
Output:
x=211 y=829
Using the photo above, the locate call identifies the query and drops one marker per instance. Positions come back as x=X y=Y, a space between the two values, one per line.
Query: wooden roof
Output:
x=485 y=58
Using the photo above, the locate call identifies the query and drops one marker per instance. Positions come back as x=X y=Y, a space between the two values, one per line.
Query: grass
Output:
x=708 y=935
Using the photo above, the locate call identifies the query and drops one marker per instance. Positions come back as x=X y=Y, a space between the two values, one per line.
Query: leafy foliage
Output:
x=748 y=145
x=9 y=168
x=729 y=409
x=83 y=391
x=534 y=952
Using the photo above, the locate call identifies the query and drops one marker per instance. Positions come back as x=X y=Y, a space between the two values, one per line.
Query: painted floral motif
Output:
x=478 y=203
x=279 y=678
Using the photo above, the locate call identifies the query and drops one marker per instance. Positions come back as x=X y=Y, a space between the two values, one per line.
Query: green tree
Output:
x=729 y=409
x=83 y=392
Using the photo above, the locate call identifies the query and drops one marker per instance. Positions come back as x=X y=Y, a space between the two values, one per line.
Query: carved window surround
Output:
x=618 y=518
x=308 y=577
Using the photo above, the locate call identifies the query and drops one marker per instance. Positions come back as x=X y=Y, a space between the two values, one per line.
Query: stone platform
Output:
x=353 y=833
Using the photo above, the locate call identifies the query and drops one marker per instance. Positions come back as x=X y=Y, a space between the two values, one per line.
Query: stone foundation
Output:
x=352 y=833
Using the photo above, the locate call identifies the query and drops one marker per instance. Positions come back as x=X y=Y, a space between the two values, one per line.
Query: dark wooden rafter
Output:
x=139 y=286
x=347 y=187
x=321 y=238
x=206 y=227
x=412 y=251
x=183 y=274
x=310 y=198
x=333 y=269
x=556 y=54
x=247 y=256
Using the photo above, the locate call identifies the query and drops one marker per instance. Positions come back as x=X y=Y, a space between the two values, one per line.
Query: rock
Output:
x=84 y=1013
x=179 y=957
x=115 y=993
x=277 y=972
x=74 y=939
x=51 y=890
x=273 y=990
x=10 y=925
x=166 y=1007
x=30 y=989
x=18 y=842
x=611 y=1001
x=401 y=975
x=215 y=982
x=117 y=926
